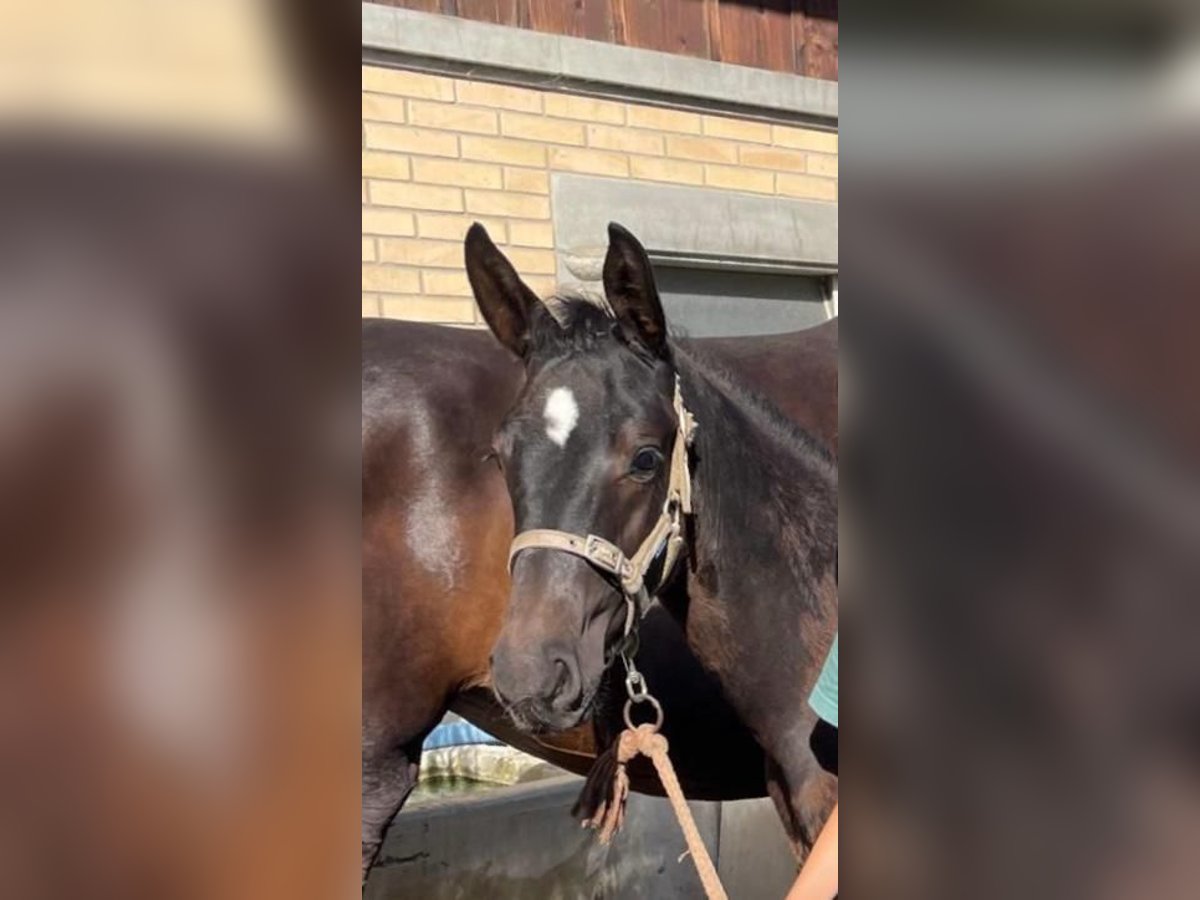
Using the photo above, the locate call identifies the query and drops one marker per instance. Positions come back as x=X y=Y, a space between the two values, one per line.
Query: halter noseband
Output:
x=630 y=571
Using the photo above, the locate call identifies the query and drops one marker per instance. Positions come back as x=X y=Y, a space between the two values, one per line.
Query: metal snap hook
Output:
x=635 y=685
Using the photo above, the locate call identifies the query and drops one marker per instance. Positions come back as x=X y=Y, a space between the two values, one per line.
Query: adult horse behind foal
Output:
x=595 y=447
x=436 y=527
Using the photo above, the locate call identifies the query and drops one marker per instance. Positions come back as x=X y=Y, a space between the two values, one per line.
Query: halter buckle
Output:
x=604 y=554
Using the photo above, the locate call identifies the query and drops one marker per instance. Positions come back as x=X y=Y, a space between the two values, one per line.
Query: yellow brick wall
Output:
x=440 y=153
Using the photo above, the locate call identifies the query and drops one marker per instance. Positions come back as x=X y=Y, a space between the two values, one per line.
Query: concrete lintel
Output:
x=496 y=52
x=692 y=226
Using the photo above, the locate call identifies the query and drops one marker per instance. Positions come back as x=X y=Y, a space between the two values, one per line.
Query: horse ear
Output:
x=506 y=302
x=629 y=286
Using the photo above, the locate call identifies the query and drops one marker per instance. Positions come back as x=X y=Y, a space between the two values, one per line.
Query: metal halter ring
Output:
x=643 y=698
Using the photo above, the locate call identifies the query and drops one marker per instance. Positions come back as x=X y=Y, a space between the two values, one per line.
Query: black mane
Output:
x=765 y=413
x=767 y=488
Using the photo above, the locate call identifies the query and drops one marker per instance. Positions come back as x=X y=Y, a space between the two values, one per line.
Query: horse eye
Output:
x=645 y=462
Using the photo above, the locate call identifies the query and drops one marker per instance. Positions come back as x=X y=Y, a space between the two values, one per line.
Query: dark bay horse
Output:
x=436 y=527
x=593 y=445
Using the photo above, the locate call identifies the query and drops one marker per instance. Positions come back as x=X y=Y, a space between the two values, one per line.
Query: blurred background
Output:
x=1020 y=497
x=179 y=642
x=179 y=625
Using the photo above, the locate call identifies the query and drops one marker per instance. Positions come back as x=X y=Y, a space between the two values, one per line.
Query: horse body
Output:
x=436 y=525
x=760 y=605
x=425 y=553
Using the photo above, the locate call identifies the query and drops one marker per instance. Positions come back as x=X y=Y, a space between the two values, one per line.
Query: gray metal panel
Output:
x=714 y=303
x=520 y=842
x=755 y=860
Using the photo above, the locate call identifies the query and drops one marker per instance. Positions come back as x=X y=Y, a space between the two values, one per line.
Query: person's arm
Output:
x=818 y=879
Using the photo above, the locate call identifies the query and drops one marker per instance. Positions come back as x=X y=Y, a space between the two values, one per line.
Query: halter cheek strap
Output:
x=665 y=537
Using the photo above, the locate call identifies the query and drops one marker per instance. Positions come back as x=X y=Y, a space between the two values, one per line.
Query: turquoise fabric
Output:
x=824 y=697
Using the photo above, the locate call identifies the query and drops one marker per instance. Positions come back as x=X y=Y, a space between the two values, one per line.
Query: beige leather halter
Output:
x=667 y=532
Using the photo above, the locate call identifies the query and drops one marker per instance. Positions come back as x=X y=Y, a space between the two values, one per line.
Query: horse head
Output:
x=590 y=458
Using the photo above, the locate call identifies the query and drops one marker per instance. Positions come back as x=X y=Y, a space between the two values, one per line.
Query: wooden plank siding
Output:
x=799 y=36
x=588 y=19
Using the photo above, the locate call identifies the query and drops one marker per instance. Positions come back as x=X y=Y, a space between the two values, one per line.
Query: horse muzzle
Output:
x=542 y=690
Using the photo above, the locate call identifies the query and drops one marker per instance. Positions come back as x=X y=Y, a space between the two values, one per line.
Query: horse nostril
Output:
x=566 y=682
x=564 y=676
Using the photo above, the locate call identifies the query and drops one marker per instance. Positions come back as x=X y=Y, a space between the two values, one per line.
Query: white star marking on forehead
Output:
x=561 y=414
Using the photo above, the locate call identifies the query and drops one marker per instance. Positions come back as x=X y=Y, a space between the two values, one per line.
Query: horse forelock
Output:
x=578 y=321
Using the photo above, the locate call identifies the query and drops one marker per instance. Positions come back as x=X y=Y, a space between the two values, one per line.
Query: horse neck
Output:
x=761 y=598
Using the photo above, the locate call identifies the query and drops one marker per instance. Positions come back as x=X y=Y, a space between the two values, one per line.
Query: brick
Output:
x=542 y=285
x=804 y=139
x=368 y=249
x=530 y=234
x=527 y=181
x=538 y=128
x=664 y=119
x=823 y=164
x=407 y=84
x=807 y=187
x=383 y=108
x=452 y=283
x=502 y=150
x=630 y=140
x=364 y=190
x=454 y=228
x=702 y=149
x=449 y=117
x=650 y=168
x=736 y=178
x=386 y=165
x=586 y=108
x=455 y=172
x=390 y=279
x=410 y=140
x=773 y=158
x=737 y=129
x=370 y=306
x=447 y=310
x=416 y=196
x=497 y=203
x=501 y=96
x=388 y=221
x=415 y=252
x=595 y=162
x=533 y=262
